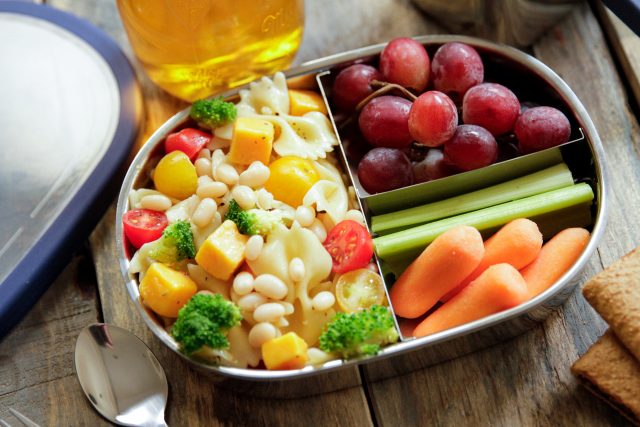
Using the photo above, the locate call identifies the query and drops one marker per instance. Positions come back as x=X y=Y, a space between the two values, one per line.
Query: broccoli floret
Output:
x=176 y=244
x=254 y=221
x=205 y=321
x=213 y=113
x=361 y=333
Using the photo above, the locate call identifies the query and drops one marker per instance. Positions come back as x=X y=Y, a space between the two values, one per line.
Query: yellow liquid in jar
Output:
x=194 y=48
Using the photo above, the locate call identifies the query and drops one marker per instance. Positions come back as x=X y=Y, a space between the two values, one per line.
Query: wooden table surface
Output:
x=524 y=381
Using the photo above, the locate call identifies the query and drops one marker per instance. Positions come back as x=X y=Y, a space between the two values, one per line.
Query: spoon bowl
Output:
x=120 y=376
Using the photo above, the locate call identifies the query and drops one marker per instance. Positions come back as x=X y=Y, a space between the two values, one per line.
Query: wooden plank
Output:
x=526 y=381
x=37 y=375
x=626 y=45
x=594 y=79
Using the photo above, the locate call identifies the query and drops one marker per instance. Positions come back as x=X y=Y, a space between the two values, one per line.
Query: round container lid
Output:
x=69 y=115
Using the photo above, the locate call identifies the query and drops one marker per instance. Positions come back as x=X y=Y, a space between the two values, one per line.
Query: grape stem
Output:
x=383 y=89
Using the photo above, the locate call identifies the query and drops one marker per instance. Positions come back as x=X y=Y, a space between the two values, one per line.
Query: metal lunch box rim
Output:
x=406 y=346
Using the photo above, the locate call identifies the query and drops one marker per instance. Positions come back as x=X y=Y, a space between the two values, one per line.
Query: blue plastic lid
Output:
x=69 y=115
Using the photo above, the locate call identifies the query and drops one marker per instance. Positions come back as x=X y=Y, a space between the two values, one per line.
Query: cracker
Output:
x=615 y=294
x=611 y=372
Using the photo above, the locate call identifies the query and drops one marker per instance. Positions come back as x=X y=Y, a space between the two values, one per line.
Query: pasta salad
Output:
x=250 y=246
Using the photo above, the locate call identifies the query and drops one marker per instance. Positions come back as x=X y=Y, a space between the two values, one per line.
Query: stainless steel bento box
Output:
x=409 y=354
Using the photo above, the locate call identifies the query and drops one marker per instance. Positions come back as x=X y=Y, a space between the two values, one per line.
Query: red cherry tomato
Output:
x=143 y=226
x=349 y=245
x=190 y=141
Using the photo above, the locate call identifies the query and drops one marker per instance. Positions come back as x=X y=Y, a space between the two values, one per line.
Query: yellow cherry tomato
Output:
x=290 y=178
x=176 y=176
x=359 y=289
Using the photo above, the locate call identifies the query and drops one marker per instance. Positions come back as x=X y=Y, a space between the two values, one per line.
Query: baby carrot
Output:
x=518 y=243
x=439 y=268
x=555 y=258
x=500 y=287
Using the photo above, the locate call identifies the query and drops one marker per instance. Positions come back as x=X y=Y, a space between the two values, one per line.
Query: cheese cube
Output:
x=252 y=140
x=165 y=290
x=223 y=252
x=303 y=101
x=288 y=351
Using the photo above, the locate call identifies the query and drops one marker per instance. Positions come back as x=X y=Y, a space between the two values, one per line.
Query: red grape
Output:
x=471 y=147
x=405 y=61
x=353 y=84
x=492 y=106
x=384 y=169
x=384 y=122
x=433 y=166
x=541 y=127
x=455 y=68
x=433 y=118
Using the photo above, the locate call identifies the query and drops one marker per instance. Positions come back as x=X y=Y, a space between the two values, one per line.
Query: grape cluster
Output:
x=455 y=121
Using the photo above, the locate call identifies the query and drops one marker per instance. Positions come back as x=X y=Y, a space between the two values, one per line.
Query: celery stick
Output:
x=408 y=243
x=552 y=178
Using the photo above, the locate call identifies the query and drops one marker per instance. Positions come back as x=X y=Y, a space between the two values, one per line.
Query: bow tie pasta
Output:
x=282 y=247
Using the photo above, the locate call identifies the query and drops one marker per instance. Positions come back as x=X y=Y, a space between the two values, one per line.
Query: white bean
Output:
x=212 y=189
x=282 y=322
x=204 y=213
x=296 y=270
x=305 y=215
x=355 y=215
x=288 y=307
x=205 y=153
x=318 y=229
x=203 y=166
x=269 y=312
x=156 y=202
x=217 y=156
x=254 y=247
x=255 y=176
x=226 y=173
x=323 y=301
x=245 y=196
x=204 y=179
x=270 y=286
x=261 y=333
x=250 y=301
x=243 y=283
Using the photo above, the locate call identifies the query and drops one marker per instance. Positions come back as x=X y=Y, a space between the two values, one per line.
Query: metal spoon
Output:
x=121 y=377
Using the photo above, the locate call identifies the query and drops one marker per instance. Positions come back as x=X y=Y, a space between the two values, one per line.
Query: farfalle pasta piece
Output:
x=329 y=194
x=310 y=136
x=207 y=282
x=281 y=247
x=265 y=96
